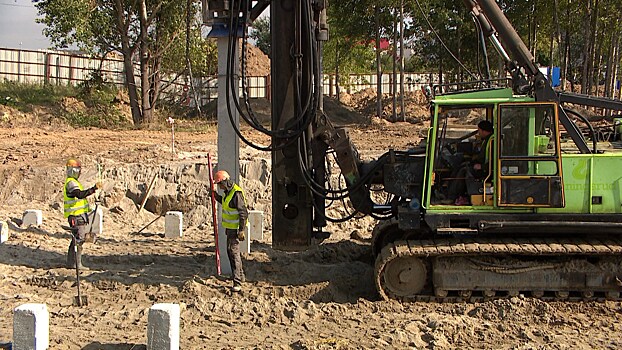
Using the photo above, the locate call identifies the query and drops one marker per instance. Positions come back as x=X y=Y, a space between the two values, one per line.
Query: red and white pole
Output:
x=214 y=218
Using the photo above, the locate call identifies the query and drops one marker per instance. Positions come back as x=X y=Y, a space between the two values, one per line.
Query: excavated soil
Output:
x=322 y=298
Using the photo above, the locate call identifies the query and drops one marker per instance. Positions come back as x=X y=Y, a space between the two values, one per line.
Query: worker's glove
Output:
x=215 y=188
x=241 y=235
x=98 y=185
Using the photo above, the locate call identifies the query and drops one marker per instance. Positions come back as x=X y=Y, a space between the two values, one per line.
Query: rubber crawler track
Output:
x=466 y=247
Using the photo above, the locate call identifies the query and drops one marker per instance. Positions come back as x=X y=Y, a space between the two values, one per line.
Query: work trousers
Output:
x=79 y=230
x=457 y=186
x=235 y=258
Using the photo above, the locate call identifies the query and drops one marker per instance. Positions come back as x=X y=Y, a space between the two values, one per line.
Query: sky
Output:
x=18 y=28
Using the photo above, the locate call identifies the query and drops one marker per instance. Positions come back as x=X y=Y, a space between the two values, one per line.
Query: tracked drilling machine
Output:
x=546 y=220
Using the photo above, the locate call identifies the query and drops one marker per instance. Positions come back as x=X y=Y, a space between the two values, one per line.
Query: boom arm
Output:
x=526 y=77
x=348 y=160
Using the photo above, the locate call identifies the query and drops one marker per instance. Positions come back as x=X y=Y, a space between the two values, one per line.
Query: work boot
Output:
x=462 y=200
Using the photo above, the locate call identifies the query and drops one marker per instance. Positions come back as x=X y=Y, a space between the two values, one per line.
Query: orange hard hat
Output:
x=73 y=167
x=73 y=163
x=220 y=176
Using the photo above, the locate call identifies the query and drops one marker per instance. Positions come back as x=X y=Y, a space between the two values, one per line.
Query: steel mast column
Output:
x=292 y=210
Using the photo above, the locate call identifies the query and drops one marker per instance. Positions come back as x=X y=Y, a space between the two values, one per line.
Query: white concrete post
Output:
x=245 y=245
x=255 y=221
x=32 y=217
x=163 y=327
x=97 y=221
x=228 y=140
x=31 y=324
x=4 y=232
x=173 y=224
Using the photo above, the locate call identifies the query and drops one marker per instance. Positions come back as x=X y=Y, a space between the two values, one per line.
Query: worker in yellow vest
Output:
x=234 y=218
x=76 y=210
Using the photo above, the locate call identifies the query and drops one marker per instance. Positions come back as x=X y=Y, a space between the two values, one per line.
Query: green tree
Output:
x=349 y=48
x=447 y=41
x=260 y=32
x=140 y=30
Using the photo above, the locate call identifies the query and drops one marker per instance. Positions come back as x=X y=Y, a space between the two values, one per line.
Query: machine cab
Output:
x=519 y=162
x=529 y=169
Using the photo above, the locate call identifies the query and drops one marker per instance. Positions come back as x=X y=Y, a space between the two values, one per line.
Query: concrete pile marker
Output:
x=163 y=327
x=173 y=224
x=32 y=217
x=96 y=217
x=31 y=327
x=255 y=220
x=4 y=232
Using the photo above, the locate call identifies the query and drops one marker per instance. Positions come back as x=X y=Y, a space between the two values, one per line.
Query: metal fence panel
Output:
x=358 y=82
x=54 y=67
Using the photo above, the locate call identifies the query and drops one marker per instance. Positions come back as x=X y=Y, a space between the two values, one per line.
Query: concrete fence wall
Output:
x=55 y=67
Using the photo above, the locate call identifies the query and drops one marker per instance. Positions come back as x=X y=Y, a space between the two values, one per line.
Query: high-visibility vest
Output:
x=231 y=216
x=74 y=206
x=482 y=155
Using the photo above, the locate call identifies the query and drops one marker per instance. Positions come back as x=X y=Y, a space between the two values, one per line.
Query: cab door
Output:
x=529 y=163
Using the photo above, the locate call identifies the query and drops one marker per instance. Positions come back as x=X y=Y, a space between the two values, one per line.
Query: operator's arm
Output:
x=217 y=196
x=73 y=190
x=238 y=202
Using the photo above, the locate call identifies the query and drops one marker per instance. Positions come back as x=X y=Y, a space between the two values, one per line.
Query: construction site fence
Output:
x=63 y=68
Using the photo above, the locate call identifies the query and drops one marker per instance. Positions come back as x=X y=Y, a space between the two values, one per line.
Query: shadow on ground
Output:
x=337 y=271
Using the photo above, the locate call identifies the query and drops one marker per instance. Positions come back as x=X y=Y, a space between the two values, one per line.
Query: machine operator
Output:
x=477 y=168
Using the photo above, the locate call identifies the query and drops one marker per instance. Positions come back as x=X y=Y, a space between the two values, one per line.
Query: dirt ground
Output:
x=322 y=298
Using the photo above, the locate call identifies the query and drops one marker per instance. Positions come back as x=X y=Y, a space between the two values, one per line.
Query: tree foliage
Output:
x=350 y=46
x=581 y=37
x=260 y=32
x=162 y=36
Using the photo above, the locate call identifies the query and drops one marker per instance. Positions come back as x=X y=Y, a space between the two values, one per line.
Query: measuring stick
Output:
x=214 y=219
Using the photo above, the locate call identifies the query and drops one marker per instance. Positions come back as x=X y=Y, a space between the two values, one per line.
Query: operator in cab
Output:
x=477 y=168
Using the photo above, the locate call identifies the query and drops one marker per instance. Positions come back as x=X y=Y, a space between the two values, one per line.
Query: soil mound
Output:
x=364 y=101
x=337 y=112
x=341 y=114
x=257 y=63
